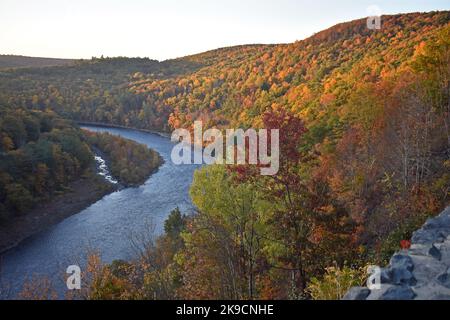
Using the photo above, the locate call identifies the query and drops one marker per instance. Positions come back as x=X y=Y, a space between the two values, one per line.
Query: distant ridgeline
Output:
x=13 y=61
x=314 y=77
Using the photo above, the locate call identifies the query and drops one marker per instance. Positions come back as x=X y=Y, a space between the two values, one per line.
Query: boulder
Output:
x=356 y=293
x=420 y=272
x=435 y=253
x=401 y=261
x=444 y=279
x=392 y=292
x=402 y=276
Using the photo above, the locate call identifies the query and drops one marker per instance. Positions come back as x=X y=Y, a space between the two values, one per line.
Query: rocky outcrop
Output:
x=422 y=272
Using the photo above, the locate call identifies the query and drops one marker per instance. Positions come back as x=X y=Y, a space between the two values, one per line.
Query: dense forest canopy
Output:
x=39 y=154
x=230 y=85
x=364 y=117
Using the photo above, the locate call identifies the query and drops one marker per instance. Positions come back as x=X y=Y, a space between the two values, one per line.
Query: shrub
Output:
x=335 y=283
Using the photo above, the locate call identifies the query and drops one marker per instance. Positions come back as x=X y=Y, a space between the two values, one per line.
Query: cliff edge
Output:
x=421 y=272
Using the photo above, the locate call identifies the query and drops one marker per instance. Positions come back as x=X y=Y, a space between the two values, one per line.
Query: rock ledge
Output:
x=422 y=272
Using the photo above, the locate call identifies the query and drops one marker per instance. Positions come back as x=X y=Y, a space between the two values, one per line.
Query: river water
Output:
x=107 y=226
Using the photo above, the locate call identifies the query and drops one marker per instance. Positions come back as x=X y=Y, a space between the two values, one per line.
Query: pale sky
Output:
x=163 y=29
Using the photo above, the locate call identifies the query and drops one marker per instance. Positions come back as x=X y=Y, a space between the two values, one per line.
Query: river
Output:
x=107 y=226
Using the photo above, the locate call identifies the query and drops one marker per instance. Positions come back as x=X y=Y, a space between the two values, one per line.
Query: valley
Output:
x=364 y=139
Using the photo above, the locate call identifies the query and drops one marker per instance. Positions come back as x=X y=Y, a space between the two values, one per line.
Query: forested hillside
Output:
x=12 y=61
x=98 y=90
x=364 y=119
x=40 y=153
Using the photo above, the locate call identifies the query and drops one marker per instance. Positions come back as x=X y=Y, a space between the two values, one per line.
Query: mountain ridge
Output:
x=9 y=61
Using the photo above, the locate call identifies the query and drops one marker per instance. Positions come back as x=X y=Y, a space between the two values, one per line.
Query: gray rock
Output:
x=434 y=252
x=356 y=293
x=423 y=236
x=421 y=272
x=440 y=297
x=375 y=294
x=392 y=292
x=400 y=270
x=401 y=261
x=434 y=230
x=431 y=291
x=398 y=293
x=386 y=275
x=402 y=276
x=444 y=279
x=444 y=248
x=418 y=249
x=427 y=268
x=440 y=222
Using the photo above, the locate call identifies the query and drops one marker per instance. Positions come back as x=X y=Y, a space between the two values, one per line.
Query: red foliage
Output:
x=291 y=130
x=405 y=244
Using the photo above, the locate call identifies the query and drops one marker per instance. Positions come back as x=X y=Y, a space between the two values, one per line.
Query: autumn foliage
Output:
x=364 y=124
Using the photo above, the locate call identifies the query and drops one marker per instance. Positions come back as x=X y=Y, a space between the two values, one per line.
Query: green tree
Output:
x=18 y=197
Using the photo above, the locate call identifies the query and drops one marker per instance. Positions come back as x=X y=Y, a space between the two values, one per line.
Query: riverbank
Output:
x=107 y=125
x=80 y=194
x=129 y=162
x=91 y=187
x=108 y=226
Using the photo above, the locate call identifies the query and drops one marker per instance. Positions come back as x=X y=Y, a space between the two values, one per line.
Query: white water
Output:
x=103 y=170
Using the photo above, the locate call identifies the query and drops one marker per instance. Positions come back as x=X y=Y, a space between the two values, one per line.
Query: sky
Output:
x=163 y=29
